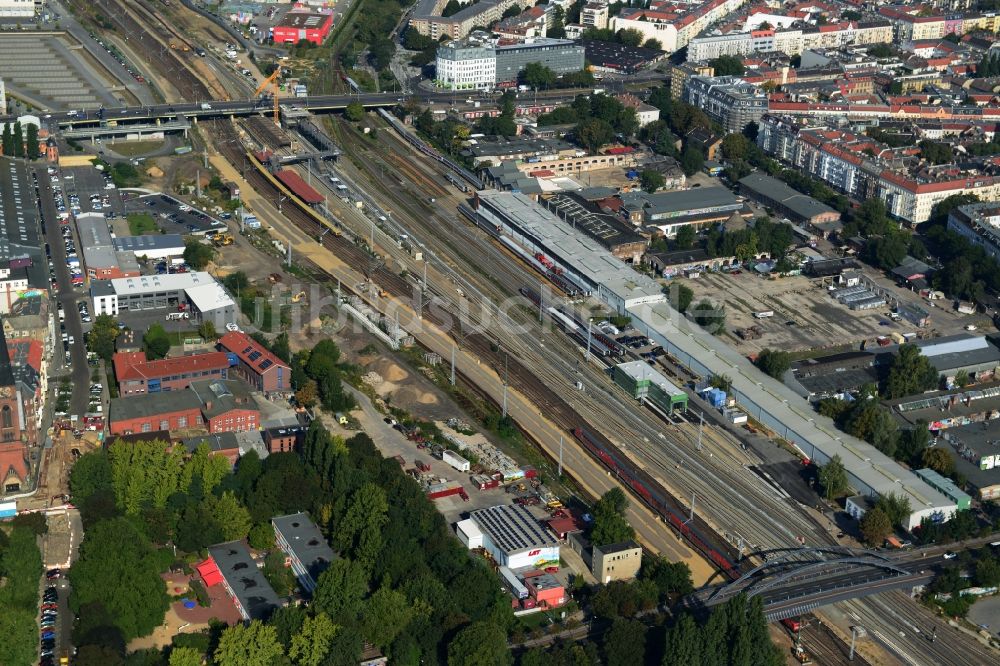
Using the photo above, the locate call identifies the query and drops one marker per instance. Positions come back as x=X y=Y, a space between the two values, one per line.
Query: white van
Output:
x=763 y=314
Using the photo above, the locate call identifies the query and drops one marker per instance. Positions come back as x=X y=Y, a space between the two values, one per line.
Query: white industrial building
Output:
x=208 y=300
x=17 y=8
x=511 y=535
x=152 y=246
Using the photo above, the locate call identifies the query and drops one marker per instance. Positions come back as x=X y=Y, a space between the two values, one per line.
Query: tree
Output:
x=683 y=644
x=117 y=571
x=557 y=26
x=102 y=336
x=692 y=160
x=910 y=372
x=938 y=459
x=987 y=571
x=774 y=362
x=912 y=442
x=679 y=295
x=736 y=147
x=18 y=139
x=8 y=140
x=143 y=473
x=875 y=527
x=685 y=237
x=610 y=525
x=31 y=148
x=594 y=133
x=340 y=590
x=651 y=180
x=312 y=642
x=261 y=536
x=751 y=130
x=453 y=7
x=355 y=112
x=279 y=576
x=737 y=170
x=308 y=395
x=536 y=75
x=727 y=65
x=385 y=615
x=625 y=643
x=653 y=43
x=254 y=644
x=896 y=507
x=20 y=636
x=360 y=530
x=630 y=37
x=207 y=331
x=710 y=317
x=231 y=516
x=197 y=254
x=833 y=478
x=935 y=152
x=185 y=656
x=156 y=342
x=480 y=644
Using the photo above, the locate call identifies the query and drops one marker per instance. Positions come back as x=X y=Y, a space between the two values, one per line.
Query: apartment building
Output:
x=674 y=25
x=729 y=100
x=466 y=66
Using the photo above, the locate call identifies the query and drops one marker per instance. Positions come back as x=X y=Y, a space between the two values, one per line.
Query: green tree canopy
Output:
x=910 y=372
x=610 y=524
x=538 y=76
x=311 y=644
x=774 y=362
x=938 y=459
x=480 y=644
x=727 y=65
x=710 y=317
x=875 y=527
x=595 y=133
x=355 y=112
x=692 y=161
x=118 y=572
x=156 y=342
x=254 y=644
x=685 y=238
x=651 y=181
x=197 y=254
x=833 y=478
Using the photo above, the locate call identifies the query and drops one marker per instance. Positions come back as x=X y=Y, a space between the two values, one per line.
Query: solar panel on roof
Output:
x=266 y=363
x=254 y=355
x=249 y=347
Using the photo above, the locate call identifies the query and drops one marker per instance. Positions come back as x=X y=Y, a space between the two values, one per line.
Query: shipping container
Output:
x=455 y=460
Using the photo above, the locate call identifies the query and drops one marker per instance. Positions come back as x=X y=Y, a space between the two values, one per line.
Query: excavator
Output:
x=273 y=82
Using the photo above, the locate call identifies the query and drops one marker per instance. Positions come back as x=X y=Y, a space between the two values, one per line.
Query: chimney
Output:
x=208 y=404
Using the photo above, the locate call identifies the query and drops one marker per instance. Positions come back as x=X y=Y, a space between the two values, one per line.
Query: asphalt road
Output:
x=66 y=296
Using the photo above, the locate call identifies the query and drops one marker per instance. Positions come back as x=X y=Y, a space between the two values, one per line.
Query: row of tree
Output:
x=734 y=634
x=20 y=141
x=20 y=570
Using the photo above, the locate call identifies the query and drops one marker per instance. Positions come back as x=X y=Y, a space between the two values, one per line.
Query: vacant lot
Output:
x=140 y=224
x=805 y=316
x=136 y=148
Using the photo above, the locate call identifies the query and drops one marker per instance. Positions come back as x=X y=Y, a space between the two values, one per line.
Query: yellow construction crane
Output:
x=272 y=81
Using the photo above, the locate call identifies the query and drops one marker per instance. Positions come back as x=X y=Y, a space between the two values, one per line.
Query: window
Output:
x=6 y=417
x=164 y=424
x=182 y=421
x=146 y=427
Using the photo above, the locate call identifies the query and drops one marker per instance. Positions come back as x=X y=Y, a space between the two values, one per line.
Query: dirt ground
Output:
x=183 y=620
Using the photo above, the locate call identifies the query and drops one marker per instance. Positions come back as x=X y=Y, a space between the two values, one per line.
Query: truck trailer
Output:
x=456 y=461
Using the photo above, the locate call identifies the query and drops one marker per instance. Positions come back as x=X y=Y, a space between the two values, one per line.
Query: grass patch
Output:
x=135 y=148
x=140 y=224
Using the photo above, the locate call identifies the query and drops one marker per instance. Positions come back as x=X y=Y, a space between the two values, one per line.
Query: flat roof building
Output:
x=208 y=299
x=791 y=203
x=645 y=383
x=151 y=246
x=946 y=487
x=616 y=561
x=588 y=264
x=305 y=546
x=253 y=596
x=512 y=536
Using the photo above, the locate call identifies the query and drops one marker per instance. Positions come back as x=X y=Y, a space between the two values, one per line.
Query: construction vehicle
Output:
x=273 y=82
x=298 y=297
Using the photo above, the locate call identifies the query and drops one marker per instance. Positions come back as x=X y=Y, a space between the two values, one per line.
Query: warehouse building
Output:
x=152 y=246
x=511 y=535
x=790 y=203
x=206 y=298
x=669 y=211
x=308 y=552
x=257 y=366
x=232 y=565
x=297 y=26
x=644 y=383
x=101 y=259
x=136 y=375
x=212 y=405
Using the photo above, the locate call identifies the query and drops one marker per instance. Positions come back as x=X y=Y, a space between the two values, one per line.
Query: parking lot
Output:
x=174 y=216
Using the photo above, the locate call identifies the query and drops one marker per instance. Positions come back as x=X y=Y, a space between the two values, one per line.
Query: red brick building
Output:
x=284 y=438
x=296 y=26
x=136 y=375
x=257 y=366
x=212 y=405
